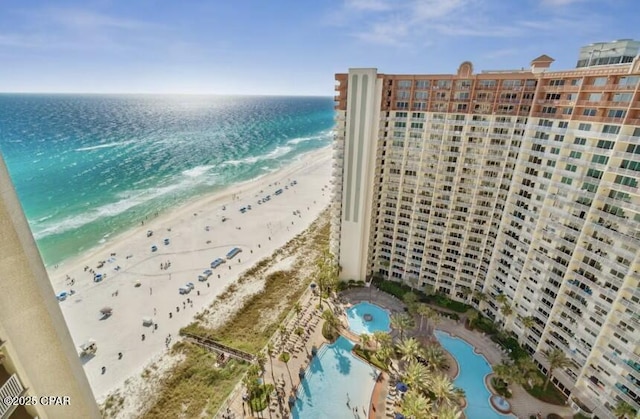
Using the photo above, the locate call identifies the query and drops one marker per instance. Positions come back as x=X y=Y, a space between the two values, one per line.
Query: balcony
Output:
x=11 y=388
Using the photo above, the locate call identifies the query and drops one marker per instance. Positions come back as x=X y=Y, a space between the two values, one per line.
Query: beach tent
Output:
x=106 y=311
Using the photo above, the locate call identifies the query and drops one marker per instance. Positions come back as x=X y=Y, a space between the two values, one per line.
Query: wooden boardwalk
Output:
x=219 y=347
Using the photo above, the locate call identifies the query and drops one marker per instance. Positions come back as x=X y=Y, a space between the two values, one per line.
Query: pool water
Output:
x=473 y=368
x=368 y=318
x=334 y=377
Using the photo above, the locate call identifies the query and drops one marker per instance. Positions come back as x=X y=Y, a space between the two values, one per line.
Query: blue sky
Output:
x=284 y=46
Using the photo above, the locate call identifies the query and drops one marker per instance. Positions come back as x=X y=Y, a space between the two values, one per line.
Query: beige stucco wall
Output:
x=39 y=344
x=363 y=114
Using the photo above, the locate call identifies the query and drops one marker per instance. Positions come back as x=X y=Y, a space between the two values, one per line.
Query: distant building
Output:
x=518 y=183
x=37 y=355
x=606 y=53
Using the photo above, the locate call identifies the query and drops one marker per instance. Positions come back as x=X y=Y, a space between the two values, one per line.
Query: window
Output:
x=628 y=80
x=403 y=94
x=399 y=124
x=404 y=84
x=610 y=129
x=575 y=154
x=607 y=145
x=595 y=97
x=549 y=109
x=557 y=82
x=401 y=114
x=463 y=84
x=443 y=84
x=584 y=127
x=422 y=84
x=622 y=97
x=616 y=113
x=633 y=148
x=563 y=124
x=402 y=105
x=589 y=112
x=422 y=95
x=417 y=125
x=596 y=174
x=571 y=167
x=487 y=84
x=580 y=141
x=576 y=82
x=417 y=115
x=626 y=181
x=566 y=180
x=631 y=165
x=567 y=111
x=599 y=159
x=555 y=150
x=600 y=81
x=461 y=95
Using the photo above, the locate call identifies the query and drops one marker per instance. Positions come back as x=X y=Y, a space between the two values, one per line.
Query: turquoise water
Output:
x=334 y=377
x=472 y=370
x=357 y=323
x=87 y=167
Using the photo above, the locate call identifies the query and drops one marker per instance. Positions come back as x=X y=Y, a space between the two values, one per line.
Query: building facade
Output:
x=39 y=365
x=519 y=186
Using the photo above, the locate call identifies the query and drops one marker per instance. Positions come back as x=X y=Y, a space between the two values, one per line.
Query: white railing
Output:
x=12 y=388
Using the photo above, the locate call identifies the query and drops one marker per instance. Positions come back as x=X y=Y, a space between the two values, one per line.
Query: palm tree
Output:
x=401 y=322
x=443 y=390
x=297 y=308
x=624 y=410
x=528 y=322
x=529 y=372
x=409 y=349
x=365 y=338
x=435 y=357
x=285 y=357
x=556 y=359
x=466 y=292
x=384 y=355
x=472 y=317
x=383 y=339
x=416 y=376
x=501 y=298
x=424 y=311
x=270 y=353
x=506 y=310
x=327 y=273
x=449 y=412
x=261 y=361
x=331 y=320
x=415 y=405
x=509 y=373
x=479 y=295
x=410 y=299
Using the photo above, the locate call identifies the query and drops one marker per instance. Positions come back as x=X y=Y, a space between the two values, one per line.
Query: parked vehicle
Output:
x=190 y=285
x=166 y=242
x=149 y=233
x=217 y=263
x=154 y=248
x=233 y=252
x=184 y=290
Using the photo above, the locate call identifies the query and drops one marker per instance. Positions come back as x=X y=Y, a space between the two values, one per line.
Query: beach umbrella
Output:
x=399 y=416
x=402 y=387
x=106 y=310
x=313 y=285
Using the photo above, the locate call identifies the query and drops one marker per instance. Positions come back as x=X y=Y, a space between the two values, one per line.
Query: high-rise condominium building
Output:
x=40 y=372
x=521 y=184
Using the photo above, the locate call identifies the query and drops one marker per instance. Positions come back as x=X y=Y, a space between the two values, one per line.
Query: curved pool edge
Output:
x=484 y=378
x=386 y=311
x=323 y=349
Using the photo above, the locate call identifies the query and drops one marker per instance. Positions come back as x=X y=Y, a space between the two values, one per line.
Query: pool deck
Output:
x=523 y=404
x=382 y=402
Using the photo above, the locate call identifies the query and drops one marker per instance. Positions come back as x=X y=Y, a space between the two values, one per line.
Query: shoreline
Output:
x=195 y=201
x=139 y=284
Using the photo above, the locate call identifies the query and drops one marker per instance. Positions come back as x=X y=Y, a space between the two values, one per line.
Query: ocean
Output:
x=87 y=167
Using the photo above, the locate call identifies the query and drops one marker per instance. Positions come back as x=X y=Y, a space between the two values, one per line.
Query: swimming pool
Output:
x=472 y=370
x=367 y=318
x=334 y=378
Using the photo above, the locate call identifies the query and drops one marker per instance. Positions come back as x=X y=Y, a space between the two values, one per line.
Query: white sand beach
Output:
x=197 y=235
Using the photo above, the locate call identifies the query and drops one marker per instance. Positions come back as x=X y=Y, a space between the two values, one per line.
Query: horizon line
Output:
x=162 y=94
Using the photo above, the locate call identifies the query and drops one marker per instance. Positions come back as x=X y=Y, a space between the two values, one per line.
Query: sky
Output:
x=284 y=47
